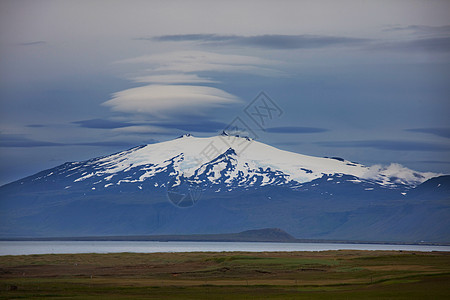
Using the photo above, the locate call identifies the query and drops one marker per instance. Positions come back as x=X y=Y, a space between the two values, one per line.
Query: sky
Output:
x=368 y=81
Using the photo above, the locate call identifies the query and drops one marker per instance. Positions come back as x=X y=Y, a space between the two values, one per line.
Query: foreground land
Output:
x=231 y=275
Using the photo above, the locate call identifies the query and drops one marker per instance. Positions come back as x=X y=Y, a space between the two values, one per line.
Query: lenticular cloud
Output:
x=169 y=99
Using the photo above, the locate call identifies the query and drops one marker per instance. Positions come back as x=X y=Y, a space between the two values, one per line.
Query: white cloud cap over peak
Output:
x=168 y=100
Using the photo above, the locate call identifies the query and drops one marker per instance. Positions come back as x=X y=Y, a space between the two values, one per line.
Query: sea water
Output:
x=56 y=247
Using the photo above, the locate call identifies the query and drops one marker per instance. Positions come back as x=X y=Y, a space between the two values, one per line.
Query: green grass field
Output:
x=228 y=275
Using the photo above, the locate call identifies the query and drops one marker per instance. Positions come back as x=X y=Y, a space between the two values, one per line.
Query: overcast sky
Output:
x=368 y=81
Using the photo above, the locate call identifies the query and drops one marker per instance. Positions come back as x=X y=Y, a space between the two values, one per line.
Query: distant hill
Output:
x=257 y=235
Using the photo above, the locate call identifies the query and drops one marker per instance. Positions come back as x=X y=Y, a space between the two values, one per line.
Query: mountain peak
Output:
x=184 y=136
x=224 y=133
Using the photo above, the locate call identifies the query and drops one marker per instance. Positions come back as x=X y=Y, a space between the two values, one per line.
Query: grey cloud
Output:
x=112 y=143
x=289 y=143
x=442 y=132
x=271 y=41
x=35 y=43
x=295 y=129
x=199 y=125
x=35 y=125
x=422 y=29
x=191 y=37
x=102 y=124
x=306 y=41
x=297 y=41
x=19 y=140
x=388 y=145
x=206 y=126
x=434 y=161
x=435 y=44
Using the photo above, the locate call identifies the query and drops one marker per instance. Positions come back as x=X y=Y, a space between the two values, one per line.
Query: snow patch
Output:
x=258 y=164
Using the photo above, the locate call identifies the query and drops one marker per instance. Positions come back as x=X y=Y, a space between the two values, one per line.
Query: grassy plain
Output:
x=228 y=275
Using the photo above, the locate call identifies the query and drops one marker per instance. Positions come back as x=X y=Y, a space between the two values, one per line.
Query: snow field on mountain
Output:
x=191 y=155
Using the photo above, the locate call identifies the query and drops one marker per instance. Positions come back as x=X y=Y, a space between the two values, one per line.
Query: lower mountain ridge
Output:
x=227 y=184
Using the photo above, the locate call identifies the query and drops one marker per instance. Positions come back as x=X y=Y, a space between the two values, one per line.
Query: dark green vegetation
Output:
x=228 y=275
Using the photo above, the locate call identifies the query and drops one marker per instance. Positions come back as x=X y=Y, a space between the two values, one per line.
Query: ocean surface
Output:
x=49 y=247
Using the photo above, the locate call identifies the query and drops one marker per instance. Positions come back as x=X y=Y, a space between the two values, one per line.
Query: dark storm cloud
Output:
x=388 y=145
x=295 y=129
x=271 y=41
x=19 y=140
x=102 y=124
x=442 y=132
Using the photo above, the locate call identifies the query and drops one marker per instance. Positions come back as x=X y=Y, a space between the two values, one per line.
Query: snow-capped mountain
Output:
x=221 y=162
x=224 y=184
